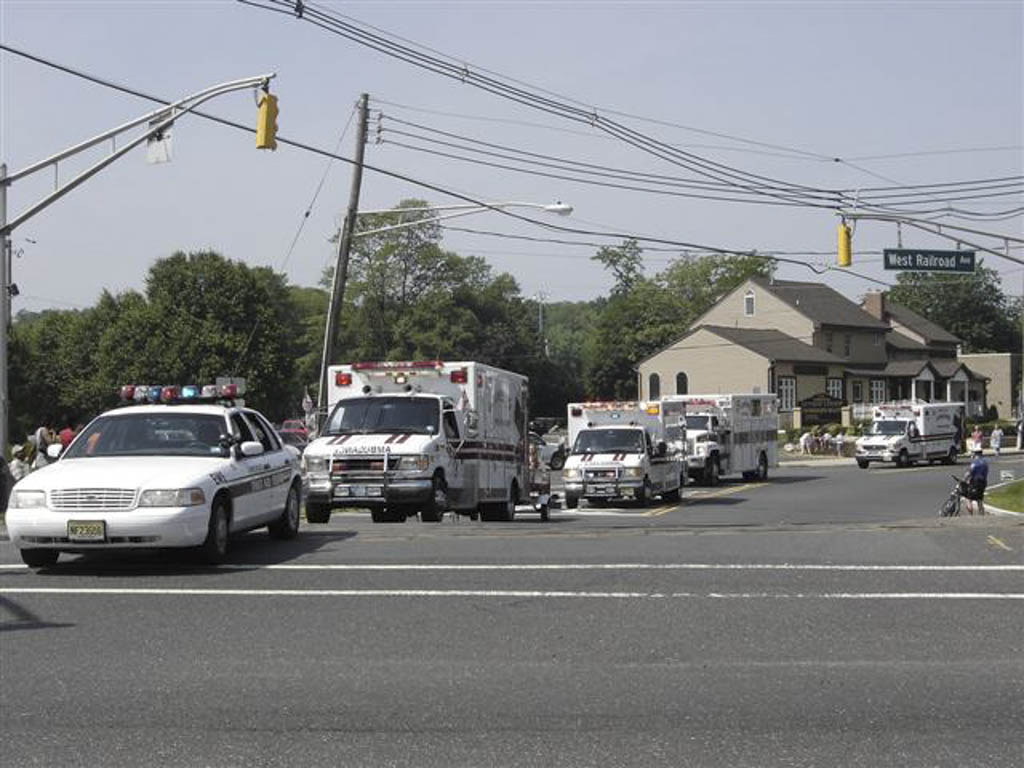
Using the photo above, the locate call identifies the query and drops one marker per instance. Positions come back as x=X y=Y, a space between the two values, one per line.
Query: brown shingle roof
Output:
x=774 y=345
x=928 y=330
x=821 y=304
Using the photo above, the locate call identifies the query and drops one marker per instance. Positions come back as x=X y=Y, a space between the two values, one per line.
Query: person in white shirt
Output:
x=19 y=467
x=996 y=439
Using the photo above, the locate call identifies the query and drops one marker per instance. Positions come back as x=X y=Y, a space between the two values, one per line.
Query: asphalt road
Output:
x=826 y=617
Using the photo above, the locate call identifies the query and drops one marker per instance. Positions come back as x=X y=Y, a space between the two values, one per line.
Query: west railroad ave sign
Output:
x=928 y=261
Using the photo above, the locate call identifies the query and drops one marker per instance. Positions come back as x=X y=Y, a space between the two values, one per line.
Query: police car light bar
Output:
x=145 y=393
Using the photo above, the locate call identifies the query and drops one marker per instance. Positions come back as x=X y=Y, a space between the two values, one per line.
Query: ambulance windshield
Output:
x=389 y=415
x=699 y=421
x=609 y=441
x=888 y=427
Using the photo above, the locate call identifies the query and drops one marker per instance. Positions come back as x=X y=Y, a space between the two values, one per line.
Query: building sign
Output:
x=928 y=261
x=821 y=409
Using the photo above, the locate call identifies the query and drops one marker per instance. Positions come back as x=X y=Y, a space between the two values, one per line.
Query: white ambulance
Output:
x=909 y=431
x=420 y=437
x=730 y=434
x=618 y=450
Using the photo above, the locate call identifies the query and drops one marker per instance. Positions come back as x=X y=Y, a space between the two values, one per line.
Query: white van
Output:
x=407 y=438
x=909 y=431
x=618 y=450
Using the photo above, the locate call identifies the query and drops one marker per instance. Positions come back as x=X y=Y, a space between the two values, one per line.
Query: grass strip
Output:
x=1010 y=497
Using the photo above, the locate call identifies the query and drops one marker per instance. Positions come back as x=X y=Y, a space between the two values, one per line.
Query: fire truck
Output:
x=619 y=450
x=423 y=437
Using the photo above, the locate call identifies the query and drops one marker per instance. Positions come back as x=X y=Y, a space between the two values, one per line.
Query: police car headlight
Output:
x=28 y=499
x=571 y=474
x=177 y=497
x=314 y=464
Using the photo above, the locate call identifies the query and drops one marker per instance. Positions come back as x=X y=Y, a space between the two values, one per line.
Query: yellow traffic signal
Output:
x=266 y=126
x=844 y=256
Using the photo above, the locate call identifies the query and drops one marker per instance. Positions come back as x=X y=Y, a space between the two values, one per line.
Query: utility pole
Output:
x=341 y=265
x=5 y=306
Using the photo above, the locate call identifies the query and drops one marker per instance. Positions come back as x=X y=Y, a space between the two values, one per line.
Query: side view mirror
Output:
x=472 y=421
x=54 y=450
x=662 y=448
x=251 y=448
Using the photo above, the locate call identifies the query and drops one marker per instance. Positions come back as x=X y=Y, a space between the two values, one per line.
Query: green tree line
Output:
x=202 y=315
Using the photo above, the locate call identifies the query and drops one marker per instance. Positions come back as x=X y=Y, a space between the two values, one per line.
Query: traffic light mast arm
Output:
x=935 y=228
x=176 y=109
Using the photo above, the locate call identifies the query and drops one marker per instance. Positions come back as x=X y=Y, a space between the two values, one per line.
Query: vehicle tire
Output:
x=951 y=456
x=862 y=463
x=712 y=472
x=39 y=558
x=218 y=534
x=508 y=507
x=903 y=460
x=433 y=512
x=544 y=513
x=762 y=467
x=287 y=525
x=557 y=461
x=748 y=476
x=318 y=513
x=643 y=493
x=571 y=502
x=673 y=496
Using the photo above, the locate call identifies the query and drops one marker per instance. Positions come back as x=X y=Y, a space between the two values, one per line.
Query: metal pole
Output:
x=341 y=265
x=5 y=305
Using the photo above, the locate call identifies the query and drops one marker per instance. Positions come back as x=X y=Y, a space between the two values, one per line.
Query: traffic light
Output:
x=266 y=126
x=844 y=256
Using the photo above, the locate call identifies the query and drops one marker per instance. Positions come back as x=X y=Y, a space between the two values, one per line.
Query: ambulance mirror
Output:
x=662 y=448
x=472 y=421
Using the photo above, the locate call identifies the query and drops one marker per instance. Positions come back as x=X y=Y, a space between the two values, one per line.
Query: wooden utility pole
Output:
x=341 y=265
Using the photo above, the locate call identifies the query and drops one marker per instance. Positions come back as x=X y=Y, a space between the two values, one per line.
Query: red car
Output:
x=294 y=425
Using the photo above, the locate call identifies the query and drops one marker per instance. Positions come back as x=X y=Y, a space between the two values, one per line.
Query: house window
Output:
x=654 y=387
x=858 y=391
x=748 y=304
x=828 y=341
x=834 y=387
x=787 y=393
x=682 y=384
x=877 y=390
x=847 y=345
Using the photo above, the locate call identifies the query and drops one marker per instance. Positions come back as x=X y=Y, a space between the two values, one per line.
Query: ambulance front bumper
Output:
x=366 y=492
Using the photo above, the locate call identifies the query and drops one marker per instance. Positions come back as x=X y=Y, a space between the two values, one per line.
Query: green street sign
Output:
x=913 y=260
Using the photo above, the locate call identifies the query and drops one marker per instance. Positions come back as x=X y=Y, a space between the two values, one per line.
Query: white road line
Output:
x=514 y=594
x=1006 y=568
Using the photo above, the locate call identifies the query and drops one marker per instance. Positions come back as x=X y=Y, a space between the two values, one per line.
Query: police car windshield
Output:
x=389 y=415
x=150 y=434
x=888 y=427
x=609 y=441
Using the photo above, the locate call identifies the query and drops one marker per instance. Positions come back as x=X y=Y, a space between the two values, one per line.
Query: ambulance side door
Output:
x=455 y=466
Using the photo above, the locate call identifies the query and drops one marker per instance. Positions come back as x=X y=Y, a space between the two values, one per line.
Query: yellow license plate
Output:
x=87 y=530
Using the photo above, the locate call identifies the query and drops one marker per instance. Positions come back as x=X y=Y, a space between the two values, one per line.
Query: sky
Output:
x=914 y=92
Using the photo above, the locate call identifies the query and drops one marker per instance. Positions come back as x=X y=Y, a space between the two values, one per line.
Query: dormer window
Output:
x=748 y=304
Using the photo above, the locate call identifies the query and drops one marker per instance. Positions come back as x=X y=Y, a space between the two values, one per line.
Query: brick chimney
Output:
x=874 y=304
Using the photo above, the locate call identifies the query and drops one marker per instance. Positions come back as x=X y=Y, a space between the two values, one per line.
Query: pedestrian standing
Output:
x=1020 y=434
x=66 y=435
x=840 y=440
x=19 y=466
x=996 y=440
x=977 y=440
x=41 y=439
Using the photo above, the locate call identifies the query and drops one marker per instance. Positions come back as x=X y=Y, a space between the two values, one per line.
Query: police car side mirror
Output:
x=251 y=448
x=55 y=450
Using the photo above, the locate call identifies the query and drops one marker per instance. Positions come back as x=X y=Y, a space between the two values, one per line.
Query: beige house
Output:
x=816 y=349
x=1003 y=371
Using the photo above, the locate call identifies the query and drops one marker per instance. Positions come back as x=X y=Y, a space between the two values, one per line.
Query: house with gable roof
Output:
x=803 y=340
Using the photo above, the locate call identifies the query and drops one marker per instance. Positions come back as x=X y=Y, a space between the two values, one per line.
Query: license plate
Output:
x=601 y=490
x=87 y=530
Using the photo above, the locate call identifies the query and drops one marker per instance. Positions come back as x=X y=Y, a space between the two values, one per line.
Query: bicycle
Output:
x=951 y=506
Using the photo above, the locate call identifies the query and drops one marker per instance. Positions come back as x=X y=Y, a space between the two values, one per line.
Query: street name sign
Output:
x=928 y=261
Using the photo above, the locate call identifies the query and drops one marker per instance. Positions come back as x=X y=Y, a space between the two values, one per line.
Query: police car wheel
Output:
x=215 y=548
x=317 y=513
x=287 y=525
x=39 y=558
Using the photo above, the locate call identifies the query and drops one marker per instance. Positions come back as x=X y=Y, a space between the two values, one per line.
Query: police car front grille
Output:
x=92 y=498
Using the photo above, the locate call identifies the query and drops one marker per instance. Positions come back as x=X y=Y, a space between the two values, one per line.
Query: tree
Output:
x=626 y=263
x=973 y=307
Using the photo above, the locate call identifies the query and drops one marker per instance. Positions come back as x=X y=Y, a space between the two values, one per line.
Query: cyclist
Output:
x=977 y=480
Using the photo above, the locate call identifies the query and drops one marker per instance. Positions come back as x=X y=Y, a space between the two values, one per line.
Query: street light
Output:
x=340 y=271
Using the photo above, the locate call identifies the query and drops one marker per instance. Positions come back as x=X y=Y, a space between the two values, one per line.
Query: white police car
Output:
x=182 y=468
